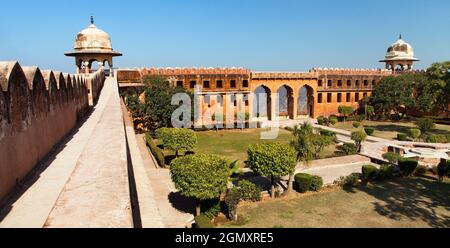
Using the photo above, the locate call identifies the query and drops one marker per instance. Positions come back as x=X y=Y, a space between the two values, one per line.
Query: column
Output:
x=274 y=106
x=295 y=102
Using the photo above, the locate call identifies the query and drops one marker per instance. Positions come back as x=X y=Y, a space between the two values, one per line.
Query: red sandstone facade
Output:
x=318 y=92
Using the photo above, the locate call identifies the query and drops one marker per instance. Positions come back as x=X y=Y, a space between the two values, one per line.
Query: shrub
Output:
x=369 y=172
x=402 y=137
x=203 y=221
x=420 y=170
x=425 y=124
x=232 y=199
x=356 y=124
x=316 y=183
x=249 y=191
x=328 y=133
x=438 y=138
x=320 y=120
x=348 y=149
x=210 y=208
x=345 y=110
x=155 y=150
x=358 y=118
x=414 y=133
x=407 y=166
x=351 y=180
x=443 y=169
x=177 y=139
x=333 y=120
x=303 y=181
x=369 y=130
x=392 y=157
x=386 y=172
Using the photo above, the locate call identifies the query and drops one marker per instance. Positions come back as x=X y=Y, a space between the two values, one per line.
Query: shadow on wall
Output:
x=37 y=110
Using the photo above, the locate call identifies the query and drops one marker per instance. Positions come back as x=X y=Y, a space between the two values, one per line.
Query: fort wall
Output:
x=37 y=110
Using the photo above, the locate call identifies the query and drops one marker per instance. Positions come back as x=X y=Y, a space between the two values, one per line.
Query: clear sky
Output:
x=262 y=35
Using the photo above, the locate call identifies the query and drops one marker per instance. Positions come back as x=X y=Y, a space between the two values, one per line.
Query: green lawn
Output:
x=233 y=144
x=388 y=129
x=415 y=202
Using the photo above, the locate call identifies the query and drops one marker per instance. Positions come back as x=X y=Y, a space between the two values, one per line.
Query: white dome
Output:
x=400 y=50
x=93 y=38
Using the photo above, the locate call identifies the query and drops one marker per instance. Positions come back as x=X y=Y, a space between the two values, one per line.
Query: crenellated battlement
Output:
x=351 y=72
x=38 y=108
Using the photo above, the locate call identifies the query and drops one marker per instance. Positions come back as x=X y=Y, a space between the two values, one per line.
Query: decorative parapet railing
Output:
x=37 y=110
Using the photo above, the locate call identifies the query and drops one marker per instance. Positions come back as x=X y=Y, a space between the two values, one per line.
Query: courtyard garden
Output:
x=401 y=202
x=390 y=129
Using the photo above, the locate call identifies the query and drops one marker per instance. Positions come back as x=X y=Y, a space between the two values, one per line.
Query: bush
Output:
x=303 y=181
x=348 y=149
x=443 y=169
x=392 y=157
x=333 y=120
x=420 y=170
x=358 y=137
x=414 y=133
x=358 y=118
x=402 y=137
x=386 y=172
x=156 y=151
x=438 y=138
x=316 y=183
x=369 y=172
x=320 y=120
x=177 y=139
x=328 y=133
x=407 y=166
x=425 y=124
x=203 y=221
x=369 y=130
x=249 y=191
x=232 y=199
x=351 y=180
x=356 y=124
x=210 y=208
x=345 y=110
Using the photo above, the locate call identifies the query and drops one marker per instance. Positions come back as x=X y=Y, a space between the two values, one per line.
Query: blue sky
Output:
x=262 y=35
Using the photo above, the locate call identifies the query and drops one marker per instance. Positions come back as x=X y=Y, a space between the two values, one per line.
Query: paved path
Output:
x=332 y=168
x=93 y=164
x=176 y=211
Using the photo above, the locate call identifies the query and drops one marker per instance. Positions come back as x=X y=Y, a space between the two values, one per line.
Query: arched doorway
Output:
x=108 y=67
x=285 y=102
x=94 y=65
x=305 y=102
x=261 y=103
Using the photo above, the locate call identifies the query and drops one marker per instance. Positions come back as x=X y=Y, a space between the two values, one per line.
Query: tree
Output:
x=200 y=176
x=272 y=160
x=425 y=125
x=359 y=137
x=392 y=157
x=435 y=92
x=370 y=110
x=319 y=143
x=393 y=94
x=345 y=111
x=177 y=139
x=156 y=111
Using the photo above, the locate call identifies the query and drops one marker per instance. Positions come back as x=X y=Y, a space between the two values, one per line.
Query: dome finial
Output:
x=400 y=37
x=92 y=19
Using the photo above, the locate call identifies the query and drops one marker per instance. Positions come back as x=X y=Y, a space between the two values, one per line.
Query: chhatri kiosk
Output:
x=93 y=44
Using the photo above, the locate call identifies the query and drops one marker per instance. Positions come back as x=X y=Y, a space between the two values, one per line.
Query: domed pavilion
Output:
x=93 y=44
x=400 y=56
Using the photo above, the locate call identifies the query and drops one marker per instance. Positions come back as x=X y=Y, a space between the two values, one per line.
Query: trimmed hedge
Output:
x=328 y=133
x=407 y=166
x=249 y=191
x=369 y=130
x=348 y=149
x=303 y=181
x=386 y=172
x=333 y=120
x=351 y=180
x=356 y=124
x=438 y=138
x=402 y=137
x=155 y=150
x=316 y=183
x=369 y=172
x=320 y=120
x=203 y=221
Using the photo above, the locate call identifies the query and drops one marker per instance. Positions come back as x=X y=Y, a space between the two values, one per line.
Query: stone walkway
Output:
x=176 y=211
x=332 y=168
x=84 y=183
